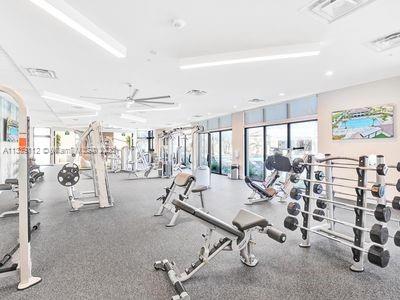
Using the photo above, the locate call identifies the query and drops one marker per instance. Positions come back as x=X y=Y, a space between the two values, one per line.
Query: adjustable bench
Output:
x=237 y=236
x=182 y=180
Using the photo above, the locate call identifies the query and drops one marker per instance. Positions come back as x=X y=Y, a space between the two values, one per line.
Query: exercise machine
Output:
x=237 y=236
x=183 y=181
x=91 y=141
x=276 y=184
x=24 y=267
x=12 y=185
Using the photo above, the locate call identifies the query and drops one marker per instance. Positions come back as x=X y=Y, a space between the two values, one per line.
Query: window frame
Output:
x=288 y=126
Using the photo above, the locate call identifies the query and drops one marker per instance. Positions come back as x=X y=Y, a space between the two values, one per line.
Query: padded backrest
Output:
x=207 y=218
x=183 y=179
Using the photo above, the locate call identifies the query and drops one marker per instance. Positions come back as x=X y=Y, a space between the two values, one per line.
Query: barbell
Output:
x=376 y=254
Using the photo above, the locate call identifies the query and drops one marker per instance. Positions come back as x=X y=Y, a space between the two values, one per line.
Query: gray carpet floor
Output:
x=109 y=253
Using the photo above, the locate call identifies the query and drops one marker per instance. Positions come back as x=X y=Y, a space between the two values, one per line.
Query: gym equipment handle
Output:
x=276 y=235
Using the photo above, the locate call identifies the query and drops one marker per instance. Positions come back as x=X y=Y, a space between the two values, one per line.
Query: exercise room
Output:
x=199 y=149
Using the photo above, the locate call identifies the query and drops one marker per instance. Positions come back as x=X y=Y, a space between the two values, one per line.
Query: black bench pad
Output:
x=246 y=219
x=207 y=218
x=5 y=187
x=12 y=181
x=199 y=188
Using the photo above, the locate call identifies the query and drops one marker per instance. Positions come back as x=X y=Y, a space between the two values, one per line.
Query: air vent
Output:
x=256 y=100
x=331 y=10
x=41 y=73
x=197 y=116
x=387 y=42
x=196 y=92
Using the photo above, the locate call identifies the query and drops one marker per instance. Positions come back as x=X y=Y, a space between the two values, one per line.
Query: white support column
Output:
x=25 y=264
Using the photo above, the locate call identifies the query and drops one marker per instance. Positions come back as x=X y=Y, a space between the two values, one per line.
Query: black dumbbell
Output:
x=383 y=213
x=379 y=234
x=321 y=204
x=396 y=203
x=319 y=175
x=317 y=213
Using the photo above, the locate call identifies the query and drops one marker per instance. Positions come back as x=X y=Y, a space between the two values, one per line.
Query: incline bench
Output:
x=236 y=237
x=186 y=182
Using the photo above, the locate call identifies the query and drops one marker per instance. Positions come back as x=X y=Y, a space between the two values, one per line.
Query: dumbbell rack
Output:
x=358 y=242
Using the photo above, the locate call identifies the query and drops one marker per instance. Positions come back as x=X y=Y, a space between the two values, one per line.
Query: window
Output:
x=254 y=116
x=226 y=151
x=188 y=150
x=255 y=153
x=304 y=134
x=42 y=146
x=215 y=152
x=203 y=149
x=276 y=138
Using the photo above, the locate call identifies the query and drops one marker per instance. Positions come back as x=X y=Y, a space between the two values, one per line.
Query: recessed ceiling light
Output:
x=328 y=73
x=235 y=107
x=196 y=93
x=67 y=100
x=77 y=107
x=281 y=94
x=209 y=114
x=256 y=100
x=178 y=23
x=65 y=13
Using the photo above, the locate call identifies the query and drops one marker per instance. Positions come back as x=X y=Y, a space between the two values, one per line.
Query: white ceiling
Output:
x=33 y=38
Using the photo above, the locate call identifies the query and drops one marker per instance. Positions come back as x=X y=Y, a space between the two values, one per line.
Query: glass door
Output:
x=255 y=153
x=226 y=151
x=215 y=152
x=42 y=146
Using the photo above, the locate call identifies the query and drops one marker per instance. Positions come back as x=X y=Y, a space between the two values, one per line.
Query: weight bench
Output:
x=182 y=180
x=237 y=236
x=12 y=185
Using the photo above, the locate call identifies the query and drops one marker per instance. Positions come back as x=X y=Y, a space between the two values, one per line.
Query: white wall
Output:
x=370 y=94
x=238 y=141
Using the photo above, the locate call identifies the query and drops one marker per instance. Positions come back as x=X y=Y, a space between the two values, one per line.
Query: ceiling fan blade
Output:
x=134 y=93
x=155 y=102
x=102 y=98
x=152 y=98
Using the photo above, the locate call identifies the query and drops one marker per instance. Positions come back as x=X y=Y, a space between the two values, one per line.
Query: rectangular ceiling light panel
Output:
x=65 y=13
x=251 y=56
x=68 y=100
x=331 y=10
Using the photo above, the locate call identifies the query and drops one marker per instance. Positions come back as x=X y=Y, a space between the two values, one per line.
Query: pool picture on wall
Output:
x=363 y=123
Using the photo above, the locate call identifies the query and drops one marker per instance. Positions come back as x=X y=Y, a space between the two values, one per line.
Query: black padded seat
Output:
x=199 y=189
x=5 y=187
x=13 y=181
x=246 y=219
x=207 y=218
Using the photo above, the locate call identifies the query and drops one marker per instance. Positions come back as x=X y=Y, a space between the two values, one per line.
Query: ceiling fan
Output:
x=130 y=99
